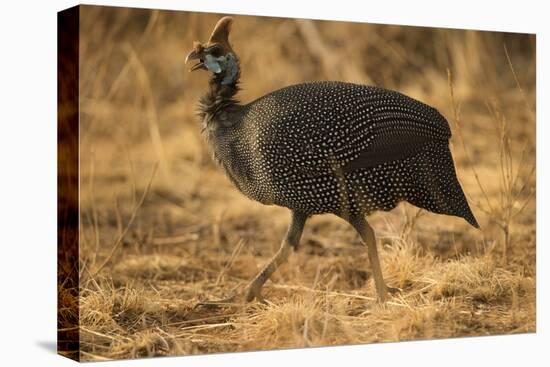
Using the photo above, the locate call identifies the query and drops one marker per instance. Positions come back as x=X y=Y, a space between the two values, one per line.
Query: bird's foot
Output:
x=230 y=301
x=252 y=293
x=393 y=291
x=383 y=292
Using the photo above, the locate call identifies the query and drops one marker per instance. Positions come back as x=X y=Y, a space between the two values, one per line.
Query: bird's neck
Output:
x=220 y=97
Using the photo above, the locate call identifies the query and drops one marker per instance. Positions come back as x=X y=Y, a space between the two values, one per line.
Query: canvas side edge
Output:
x=68 y=333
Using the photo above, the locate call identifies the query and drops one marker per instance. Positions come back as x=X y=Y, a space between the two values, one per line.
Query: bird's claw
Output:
x=393 y=291
x=237 y=299
x=254 y=293
x=218 y=303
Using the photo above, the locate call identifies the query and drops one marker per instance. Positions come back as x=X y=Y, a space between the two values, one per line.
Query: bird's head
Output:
x=217 y=55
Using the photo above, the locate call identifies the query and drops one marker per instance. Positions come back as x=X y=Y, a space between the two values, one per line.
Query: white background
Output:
x=28 y=181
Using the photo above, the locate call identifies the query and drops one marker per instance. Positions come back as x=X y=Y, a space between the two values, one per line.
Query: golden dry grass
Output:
x=162 y=228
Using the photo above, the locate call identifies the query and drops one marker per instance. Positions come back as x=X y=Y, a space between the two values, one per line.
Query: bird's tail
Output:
x=449 y=192
x=440 y=190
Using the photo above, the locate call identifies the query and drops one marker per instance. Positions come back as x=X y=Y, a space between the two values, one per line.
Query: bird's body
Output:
x=326 y=147
x=340 y=148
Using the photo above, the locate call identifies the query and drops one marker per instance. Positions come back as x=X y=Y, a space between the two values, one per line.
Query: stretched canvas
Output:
x=234 y=183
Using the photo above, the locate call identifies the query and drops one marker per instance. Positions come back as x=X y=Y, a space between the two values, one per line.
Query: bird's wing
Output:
x=354 y=127
x=394 y=129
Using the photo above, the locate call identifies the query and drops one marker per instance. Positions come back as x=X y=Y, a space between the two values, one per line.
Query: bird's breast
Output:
x=235 y=153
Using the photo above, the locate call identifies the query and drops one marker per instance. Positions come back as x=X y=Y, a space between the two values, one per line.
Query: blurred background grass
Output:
x=154 y=241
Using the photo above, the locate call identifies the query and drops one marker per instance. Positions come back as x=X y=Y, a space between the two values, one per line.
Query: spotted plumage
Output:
x=341 y=148
x=327 y=147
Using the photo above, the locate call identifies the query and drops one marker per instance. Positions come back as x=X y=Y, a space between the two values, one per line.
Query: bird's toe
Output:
x=393 y=291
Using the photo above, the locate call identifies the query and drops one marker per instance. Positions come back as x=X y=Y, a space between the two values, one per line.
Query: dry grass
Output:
x=154 y=242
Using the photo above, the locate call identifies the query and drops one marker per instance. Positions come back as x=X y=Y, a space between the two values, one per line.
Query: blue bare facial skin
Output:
x=213 y=63
x=225 y=64
x=231 y=69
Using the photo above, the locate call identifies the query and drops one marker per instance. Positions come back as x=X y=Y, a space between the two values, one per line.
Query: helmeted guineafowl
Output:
x=326 y=147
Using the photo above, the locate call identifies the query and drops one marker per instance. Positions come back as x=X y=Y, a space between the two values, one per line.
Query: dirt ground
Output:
x=162 y=228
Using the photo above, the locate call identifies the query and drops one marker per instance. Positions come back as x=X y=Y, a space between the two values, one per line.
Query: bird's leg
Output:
x=291 y=241
x=253 y=290
x=367 y=235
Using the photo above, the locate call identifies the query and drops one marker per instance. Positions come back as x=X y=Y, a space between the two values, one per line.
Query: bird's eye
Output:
x=215 y=50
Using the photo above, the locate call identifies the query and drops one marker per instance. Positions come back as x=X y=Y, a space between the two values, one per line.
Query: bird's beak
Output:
x=194 y=55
